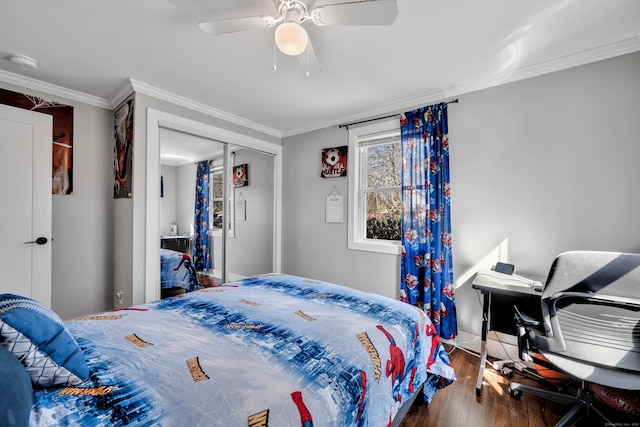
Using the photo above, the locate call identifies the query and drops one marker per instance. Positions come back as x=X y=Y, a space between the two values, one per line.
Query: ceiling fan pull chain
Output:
x=275 y=67
x=307 y=73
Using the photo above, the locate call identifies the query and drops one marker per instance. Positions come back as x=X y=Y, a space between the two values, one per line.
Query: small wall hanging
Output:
x=334 y=162
x=241 y=175
x=241 y=208
x=334 y=206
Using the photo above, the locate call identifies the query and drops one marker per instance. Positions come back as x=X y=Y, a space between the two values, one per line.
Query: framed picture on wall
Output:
x=241 y=175
x=62 y=138
x=123 y=149
x=334 y=162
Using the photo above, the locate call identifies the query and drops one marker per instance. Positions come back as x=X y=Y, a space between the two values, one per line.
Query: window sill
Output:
x=383 y=247
x=215 y=233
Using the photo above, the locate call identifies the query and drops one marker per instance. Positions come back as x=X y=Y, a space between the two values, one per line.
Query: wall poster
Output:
x=123 y=150
x=334 y=162
x=62 y=139
x=241 y=175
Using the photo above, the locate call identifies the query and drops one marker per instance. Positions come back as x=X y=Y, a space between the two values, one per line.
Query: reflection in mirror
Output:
x=251 y=251
x=179 y=155
x=249 y=245
x=216 y=197
x=157 y=122
x=217 y=183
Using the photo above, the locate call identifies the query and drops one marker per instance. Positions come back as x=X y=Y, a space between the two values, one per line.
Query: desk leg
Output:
x=483 y=343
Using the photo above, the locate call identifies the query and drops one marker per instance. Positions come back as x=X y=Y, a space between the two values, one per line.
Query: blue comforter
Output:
x=273 y=350
x=177 y=271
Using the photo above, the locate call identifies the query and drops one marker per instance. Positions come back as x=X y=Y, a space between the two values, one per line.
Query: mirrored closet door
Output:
x=240 y=188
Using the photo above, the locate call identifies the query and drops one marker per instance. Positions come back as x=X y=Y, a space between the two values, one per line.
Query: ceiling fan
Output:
x=290 y=36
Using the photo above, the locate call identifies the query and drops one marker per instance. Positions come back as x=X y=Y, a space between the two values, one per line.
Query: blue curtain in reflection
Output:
x=201 y=218
x=426 y=266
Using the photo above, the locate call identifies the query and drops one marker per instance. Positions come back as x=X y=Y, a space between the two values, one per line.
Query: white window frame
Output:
x=215 y=170
x=356 y=211
x=217 y=167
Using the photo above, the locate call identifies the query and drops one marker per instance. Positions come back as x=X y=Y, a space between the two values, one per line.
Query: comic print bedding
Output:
x=177 y=271
x=271 y=350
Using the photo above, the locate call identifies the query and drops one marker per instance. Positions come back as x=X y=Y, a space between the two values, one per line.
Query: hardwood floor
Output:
x=207 y=281
x=458 y=406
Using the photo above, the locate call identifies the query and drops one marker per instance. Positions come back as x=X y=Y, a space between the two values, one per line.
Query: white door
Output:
x=25 y=197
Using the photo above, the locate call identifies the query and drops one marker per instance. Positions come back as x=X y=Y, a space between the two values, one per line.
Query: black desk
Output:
x=177 y=243
x=507 y=288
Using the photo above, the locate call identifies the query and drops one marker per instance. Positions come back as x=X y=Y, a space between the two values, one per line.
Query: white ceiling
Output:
x=435 y=50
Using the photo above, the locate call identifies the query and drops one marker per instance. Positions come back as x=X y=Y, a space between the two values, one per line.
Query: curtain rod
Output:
x=346 y=125
x=233 y=153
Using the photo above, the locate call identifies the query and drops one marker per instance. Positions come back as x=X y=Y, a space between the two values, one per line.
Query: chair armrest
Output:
x=524 y=319
x=593 y=297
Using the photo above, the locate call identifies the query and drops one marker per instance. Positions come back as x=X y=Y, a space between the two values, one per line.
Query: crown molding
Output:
x=126 y=89
x=576 y=59
x=123 y=92
x=202 y=108
x=59 y=91
x=584 y=57
x=393 y=107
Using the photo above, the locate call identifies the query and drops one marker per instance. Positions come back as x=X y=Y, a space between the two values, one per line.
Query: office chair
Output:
x=589 y=330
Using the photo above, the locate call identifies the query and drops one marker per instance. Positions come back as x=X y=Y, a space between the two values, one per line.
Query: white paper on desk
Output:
x=334 y=209
x=506 y=279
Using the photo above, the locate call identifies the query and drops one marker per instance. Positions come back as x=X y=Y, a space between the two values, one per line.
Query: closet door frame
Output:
x=155 y=121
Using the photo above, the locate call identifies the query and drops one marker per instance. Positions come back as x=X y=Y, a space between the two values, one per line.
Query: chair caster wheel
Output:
x=516 y=394
x=507 y=372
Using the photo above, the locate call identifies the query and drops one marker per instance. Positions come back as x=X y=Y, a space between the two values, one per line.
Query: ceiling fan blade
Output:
x=309 y=62
x=367 y=12
x=233 y=25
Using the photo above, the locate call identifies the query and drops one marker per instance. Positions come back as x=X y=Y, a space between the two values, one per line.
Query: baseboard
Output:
x=232 y=276
x=500 y=346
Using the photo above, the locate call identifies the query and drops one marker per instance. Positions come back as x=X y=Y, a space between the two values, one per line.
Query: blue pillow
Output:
x=39 y=339
x=16 y=395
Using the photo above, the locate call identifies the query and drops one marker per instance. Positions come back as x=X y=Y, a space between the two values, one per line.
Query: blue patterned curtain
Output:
x=426 y=267
x=201 y=218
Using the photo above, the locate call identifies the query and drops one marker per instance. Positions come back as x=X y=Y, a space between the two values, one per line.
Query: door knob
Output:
x=39 y=240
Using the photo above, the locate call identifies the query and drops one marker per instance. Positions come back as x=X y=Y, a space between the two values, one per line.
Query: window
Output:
x=216 y=198
x=375 y=200
x=215 y=201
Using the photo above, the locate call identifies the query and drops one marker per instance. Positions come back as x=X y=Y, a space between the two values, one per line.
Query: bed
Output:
x=177 y=273
x=269 y=350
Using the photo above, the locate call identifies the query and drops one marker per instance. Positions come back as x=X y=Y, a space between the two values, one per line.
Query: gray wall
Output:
x=253 y=238
x=311 y=247
x=168 y=200
x=82 y=276
x=82 y=222
x=549 y=163
x=176 y=207
x=185 y=197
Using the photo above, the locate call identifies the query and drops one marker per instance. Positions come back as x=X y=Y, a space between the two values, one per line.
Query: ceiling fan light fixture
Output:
x=291 y=38
x=24 y=61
